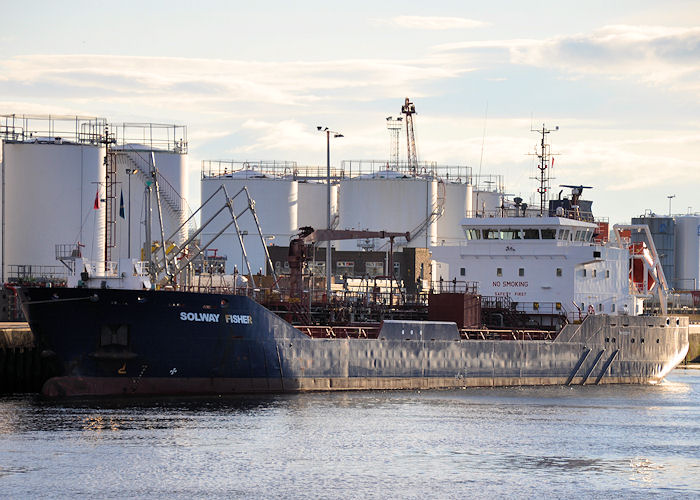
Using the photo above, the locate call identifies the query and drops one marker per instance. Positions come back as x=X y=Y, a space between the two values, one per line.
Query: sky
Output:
x=253 y=80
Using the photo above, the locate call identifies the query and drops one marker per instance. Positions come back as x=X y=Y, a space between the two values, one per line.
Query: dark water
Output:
x=544 y=442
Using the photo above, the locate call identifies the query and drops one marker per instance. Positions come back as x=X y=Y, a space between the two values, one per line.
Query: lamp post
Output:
x=328 y=201
x=670 y=197
x=129 y=173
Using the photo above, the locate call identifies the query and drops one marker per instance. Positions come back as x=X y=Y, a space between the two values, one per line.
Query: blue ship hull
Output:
x=116 y=342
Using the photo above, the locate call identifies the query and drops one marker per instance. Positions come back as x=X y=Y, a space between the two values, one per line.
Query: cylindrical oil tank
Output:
x=173 y=169
x=688 y=252
x=397 y=204
x=133 y=167
x=663 y=232
x=313 y=208
x=276 y=205
x=486 y=203
x=470 y=200
x=449 y=227
x=50 y=191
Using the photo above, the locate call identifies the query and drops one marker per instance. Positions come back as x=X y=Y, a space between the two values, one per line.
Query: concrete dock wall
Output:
x=694 y=342
x=22 y=369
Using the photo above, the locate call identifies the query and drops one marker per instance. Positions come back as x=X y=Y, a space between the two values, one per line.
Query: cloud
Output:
x=655 y=55
x=215 y=84
x=432 y=22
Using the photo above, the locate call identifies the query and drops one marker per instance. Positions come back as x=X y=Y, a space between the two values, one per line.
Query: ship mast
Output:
x=543 y=156
x=110 y=163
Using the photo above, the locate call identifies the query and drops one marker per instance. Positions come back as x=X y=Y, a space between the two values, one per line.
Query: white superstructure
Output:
x=541 y=260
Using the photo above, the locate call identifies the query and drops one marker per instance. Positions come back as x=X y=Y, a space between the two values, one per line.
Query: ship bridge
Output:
x=529 y=229
x=541 y=260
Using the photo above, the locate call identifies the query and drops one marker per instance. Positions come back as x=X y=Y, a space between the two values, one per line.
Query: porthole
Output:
x=668 y=321
x=678 y=321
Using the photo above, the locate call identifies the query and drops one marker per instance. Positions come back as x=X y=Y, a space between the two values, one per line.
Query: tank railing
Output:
x=449 y=173
x=54 y=129
x=263 y=169
x=349 y=169
x=492 y=183
x=152 y=136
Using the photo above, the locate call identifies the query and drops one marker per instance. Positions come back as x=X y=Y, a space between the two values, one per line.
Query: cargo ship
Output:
x=555 y=304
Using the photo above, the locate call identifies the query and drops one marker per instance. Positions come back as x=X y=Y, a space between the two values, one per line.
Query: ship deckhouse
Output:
x=541 y=260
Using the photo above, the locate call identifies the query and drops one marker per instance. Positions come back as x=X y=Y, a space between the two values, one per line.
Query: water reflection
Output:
x=538 y=441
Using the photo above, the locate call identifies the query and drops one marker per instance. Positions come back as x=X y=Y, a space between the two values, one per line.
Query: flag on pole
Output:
x=121 y=205
x=96 y=206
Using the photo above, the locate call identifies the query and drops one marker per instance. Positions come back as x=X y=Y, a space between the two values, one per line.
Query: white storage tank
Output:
x=486 y=203
x=172 y=167
x=392 y=203
x=449 y=227
x=688 y=252
x=276 y=204
x=312 y=208
x=49 y=196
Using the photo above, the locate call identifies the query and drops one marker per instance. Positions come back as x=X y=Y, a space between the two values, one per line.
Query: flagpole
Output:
x=129 y=172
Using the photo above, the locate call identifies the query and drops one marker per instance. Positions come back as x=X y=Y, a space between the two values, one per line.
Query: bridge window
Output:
x=549 y=234
x=511 y=234
x=532 y=234
x=473 y=234
x=564 y=234
x=491 y=234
